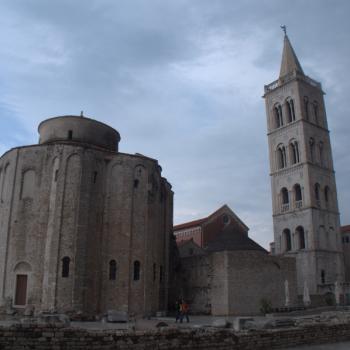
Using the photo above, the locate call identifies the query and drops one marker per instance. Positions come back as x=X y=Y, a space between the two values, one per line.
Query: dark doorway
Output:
x=21 y=290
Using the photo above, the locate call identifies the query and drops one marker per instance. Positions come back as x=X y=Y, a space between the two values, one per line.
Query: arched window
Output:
x=312 y=149
x=65 y=266
x=306 y=107
x=137 y=270
x=112 y=270
x=317 y=193
x=281 y=157
x=320 y=148
x=301 y=237
x=28 y=184
x=285 y=199
x=287 y=240
x=5 y=190
x=291 y=111
x=326 y=194
x=285 y=196
x=278 y=115
x=315 y=109
x=298 y=199
x=294 y=152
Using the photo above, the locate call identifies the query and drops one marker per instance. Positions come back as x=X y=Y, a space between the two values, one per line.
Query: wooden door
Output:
x=21 y=290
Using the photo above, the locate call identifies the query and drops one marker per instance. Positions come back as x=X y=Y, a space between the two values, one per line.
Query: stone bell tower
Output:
x=304 y=195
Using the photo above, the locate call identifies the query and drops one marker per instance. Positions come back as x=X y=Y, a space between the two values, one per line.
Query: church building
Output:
x=304 y=194
x=84 y=228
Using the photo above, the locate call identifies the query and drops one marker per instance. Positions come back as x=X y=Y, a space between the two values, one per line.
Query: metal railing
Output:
x=298 y=204
x=289 y=77
x=285 y=207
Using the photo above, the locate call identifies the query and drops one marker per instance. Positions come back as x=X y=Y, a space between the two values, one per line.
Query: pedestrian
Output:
x=178 y=310
x=184 y=308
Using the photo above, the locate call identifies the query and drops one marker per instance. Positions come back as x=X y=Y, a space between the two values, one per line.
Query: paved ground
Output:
x=337 y=346
x=195 y=321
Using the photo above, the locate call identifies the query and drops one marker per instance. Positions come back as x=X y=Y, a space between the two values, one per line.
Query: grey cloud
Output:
x=182 y=82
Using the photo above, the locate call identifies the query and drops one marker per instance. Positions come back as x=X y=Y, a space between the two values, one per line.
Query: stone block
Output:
x=29 y=310
x=221 y=323
x=54 y=319
x=239 y=323
x=117 y=316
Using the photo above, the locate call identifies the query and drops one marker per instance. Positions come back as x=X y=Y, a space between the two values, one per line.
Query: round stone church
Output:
x=83 y=227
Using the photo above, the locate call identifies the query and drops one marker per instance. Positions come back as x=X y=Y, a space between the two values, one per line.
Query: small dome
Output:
x=78 y=129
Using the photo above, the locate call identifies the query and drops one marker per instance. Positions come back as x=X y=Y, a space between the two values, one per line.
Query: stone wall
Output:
x=46 y=337
x=196 y=283
x=234 y=282
x=91 y=206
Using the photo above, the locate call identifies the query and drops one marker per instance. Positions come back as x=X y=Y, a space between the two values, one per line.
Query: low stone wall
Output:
x=58 y=337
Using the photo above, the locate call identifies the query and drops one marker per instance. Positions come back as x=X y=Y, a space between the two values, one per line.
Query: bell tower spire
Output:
x=290 y=62
x=304 y=195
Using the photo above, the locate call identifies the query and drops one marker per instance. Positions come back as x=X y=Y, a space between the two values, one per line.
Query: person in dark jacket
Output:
x=178 y=310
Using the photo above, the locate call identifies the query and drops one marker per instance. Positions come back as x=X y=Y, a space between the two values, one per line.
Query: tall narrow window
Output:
x=28 y=184
x=281 y=157
x=297 y=192
x=70 y=134
x=287 y=240
x=137 y=268
x=297 y=154
x=312 y=149
x=278 y=116
x=65 y=266
x=317 y=194
x=285 y=199
x=301 y=237
x=294 y=152
x=285 y=196
x=306 y=107
x=291 y=111
x=298 y=199
x=326 y=194
x=112 y=270
x=320 y=148
x=323 y=277
x=315 y=108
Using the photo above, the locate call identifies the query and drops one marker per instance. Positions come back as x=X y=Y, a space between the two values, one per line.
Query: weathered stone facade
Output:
x=83 y=227
x=304 y=194
x=232 y=274
x=235 y=282
x=345 y=232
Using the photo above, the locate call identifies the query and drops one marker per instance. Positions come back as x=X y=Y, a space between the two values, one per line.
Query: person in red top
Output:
x=184 y=309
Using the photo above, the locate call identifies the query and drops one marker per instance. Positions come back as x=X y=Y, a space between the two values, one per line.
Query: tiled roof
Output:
x=231 y=239
x=345 y=228
x=189 y=224
x=201 y=221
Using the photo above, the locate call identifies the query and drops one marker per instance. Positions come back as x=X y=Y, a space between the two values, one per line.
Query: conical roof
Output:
x=290 y=62
x=232 y=239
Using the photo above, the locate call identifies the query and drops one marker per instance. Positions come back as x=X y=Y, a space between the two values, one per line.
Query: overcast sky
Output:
x=181 y=81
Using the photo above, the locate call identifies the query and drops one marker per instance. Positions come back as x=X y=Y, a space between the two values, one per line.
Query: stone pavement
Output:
x=336 y=346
